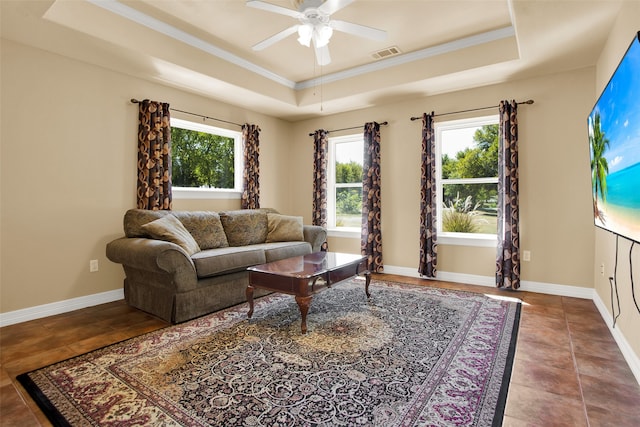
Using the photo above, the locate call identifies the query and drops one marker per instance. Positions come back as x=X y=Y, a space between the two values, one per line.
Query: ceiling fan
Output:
x=315 y=25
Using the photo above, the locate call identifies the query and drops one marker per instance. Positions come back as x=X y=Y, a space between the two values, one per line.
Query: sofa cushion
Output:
x=282 y=250
x=284 y=228
x=245 y=227
x=134 y=219
x=205 y=227
x=213 y=262
x=170 y=229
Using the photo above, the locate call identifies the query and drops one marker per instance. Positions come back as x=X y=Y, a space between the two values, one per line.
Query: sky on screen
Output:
x=619 y=108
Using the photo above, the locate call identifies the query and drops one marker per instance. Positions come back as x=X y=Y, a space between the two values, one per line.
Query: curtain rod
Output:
x=530 y=101
x=135 y=101
x=354 y=127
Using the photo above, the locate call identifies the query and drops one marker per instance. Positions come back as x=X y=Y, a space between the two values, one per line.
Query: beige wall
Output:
x=628 y=324
x=68 y=171
x=66 y=125
x=555 y=202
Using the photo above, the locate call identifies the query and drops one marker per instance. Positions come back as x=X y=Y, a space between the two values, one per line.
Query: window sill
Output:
x=479 y=241
x=351 y=233
x=182 y=193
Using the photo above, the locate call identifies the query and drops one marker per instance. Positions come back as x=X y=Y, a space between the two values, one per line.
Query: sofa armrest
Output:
x=316 y=236
x=155 y=256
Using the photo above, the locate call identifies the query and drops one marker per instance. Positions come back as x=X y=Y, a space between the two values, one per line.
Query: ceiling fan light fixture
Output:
x=305 y=32
x=322 y=34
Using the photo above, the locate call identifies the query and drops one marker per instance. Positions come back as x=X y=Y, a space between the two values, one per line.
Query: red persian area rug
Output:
x=407 y=356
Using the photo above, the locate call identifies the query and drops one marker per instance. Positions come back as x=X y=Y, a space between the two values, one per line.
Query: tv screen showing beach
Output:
x=614 y=142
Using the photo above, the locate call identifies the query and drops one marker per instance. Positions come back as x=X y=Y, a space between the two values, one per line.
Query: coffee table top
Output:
x=307 y=266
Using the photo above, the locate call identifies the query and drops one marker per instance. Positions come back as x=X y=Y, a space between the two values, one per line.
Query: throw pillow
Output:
x=170 y=229
x=283 y=228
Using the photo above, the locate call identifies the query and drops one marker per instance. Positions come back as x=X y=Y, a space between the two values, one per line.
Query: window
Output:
x=467 y=181
x=207 y=161
x=344 y=184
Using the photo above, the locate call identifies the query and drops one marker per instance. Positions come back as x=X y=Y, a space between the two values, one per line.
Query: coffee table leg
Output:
x=249 y=292
x=367 y=277
x=303 y=304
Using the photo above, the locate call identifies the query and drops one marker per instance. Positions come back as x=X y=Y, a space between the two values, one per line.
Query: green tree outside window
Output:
x=201 y=160
x=472 y=207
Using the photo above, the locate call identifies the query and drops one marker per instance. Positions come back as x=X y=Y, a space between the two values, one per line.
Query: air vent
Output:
x=385 y=53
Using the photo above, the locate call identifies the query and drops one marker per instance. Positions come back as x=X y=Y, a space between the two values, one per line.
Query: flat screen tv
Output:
x=614 y=142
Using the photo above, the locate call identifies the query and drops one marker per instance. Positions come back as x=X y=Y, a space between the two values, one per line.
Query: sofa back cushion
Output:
x=134 y=219
x=245 y=227
x=205 y=227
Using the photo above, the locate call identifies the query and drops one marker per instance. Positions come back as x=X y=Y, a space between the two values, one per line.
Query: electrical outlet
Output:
x=526 y=255
x=93 y=266
x=602 y=269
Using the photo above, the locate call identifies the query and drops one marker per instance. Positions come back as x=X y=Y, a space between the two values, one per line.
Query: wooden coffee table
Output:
x=300 y=276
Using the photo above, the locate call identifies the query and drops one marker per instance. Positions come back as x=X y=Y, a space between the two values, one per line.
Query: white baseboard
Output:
x=472 y=279
x=629 y=355
x=51 y=309
x=59 y=307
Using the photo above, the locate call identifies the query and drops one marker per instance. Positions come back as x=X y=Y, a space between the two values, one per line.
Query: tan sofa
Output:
x=182 y=264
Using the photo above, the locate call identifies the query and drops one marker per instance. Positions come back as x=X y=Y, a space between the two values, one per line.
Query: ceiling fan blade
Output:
x=273 y=8
x=275 y=38
x=322 y=55
x=332 y=6
x=358 y=30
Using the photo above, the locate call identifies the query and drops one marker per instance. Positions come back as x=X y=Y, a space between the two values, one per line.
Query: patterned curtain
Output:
x=251 y=174
x=508 y=256
x=321 y=149
x=428 y=208
x=154 y=156
x=371 y=237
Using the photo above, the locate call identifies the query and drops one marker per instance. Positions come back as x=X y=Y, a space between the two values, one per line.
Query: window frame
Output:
x=456 y=238
x=332 y=229
x=238 y=164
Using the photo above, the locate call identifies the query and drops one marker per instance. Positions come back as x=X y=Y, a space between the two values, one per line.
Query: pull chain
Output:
x=321 y=91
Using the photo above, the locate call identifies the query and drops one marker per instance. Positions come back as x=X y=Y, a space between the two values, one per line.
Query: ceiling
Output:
x=205 y=46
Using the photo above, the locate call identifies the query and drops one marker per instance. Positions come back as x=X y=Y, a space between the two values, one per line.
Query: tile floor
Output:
x=568 y=370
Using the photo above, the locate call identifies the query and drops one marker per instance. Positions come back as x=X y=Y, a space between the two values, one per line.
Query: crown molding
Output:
x=154 y=24
x=406 y=58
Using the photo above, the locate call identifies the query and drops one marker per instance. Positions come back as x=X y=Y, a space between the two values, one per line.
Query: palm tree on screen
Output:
x=599 y=166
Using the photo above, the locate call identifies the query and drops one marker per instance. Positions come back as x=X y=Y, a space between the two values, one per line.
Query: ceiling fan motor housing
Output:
x=314 y=17
x=301 y=5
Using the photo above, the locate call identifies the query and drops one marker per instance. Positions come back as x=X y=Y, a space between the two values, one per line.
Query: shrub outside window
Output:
x=344 y=183
x=467 y=180
x=206 y=160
